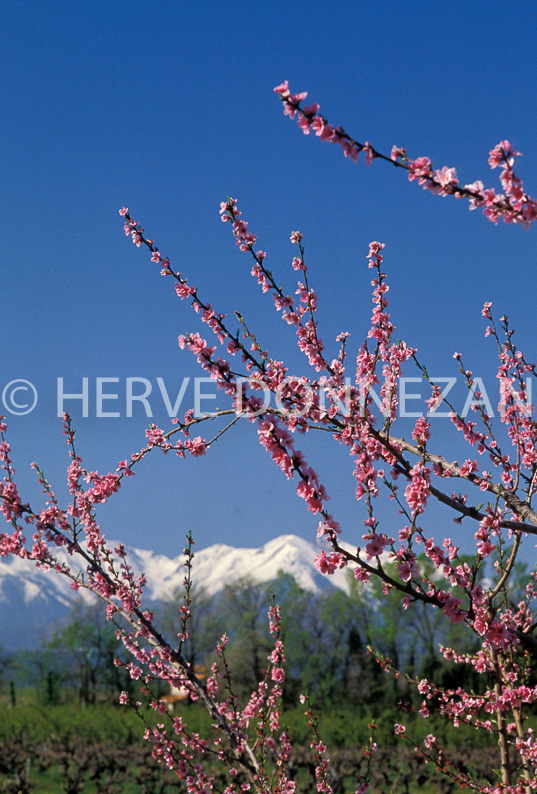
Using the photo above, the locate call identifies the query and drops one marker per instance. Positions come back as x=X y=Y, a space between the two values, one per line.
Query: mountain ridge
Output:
x=33 y=601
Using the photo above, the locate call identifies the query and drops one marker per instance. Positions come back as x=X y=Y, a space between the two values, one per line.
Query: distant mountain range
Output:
x=32 y=601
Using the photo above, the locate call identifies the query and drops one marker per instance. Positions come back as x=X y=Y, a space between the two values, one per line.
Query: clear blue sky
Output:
x=168 y=108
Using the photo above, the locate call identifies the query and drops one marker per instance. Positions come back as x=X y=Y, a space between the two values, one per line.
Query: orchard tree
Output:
x=494 y=479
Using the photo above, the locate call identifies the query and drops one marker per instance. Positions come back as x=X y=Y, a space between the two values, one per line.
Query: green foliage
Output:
x=77 y=661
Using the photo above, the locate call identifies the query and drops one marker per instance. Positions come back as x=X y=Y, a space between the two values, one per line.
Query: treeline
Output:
x=326 y=637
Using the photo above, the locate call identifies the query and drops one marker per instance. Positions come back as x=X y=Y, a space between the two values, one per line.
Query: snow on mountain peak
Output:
x=29 y=595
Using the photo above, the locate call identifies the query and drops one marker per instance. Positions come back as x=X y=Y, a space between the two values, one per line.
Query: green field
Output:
x=99 y=749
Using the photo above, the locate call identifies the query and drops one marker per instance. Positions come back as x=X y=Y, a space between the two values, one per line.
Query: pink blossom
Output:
x=421 y=431
x=361 y=575
x=451 y=609
x=375 y=547
x=304 y=124
x=327 y=564
x=502 y=153
x=444 y=181
x=196 y=446
x=369 y=153
x=417 y=491
x=375 y=248
x=283 y=89
x=317 y=125
x=514 y=207
x=406 y=570
x=311 y=110
x=498 y=634
x=327 y=133
x=423 y=710
x=419 y=168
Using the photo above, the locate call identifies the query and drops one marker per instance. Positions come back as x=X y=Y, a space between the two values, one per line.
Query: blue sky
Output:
x=168 y=109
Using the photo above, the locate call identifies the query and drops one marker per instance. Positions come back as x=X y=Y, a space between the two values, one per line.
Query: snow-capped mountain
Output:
x=32 y=600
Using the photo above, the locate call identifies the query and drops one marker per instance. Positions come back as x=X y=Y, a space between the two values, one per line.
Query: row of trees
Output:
x=327 y=635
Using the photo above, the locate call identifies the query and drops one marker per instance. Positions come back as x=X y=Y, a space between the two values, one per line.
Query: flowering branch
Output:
x=514 y=205
x=404 y=557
